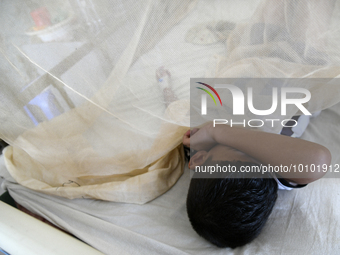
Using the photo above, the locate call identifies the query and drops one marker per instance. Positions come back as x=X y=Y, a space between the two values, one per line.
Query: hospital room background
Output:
x=95 y=162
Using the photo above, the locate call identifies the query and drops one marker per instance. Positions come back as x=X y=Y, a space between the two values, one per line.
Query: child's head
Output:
x=230 y=212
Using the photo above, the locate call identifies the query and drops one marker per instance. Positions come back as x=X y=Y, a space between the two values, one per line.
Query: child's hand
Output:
x=199 y=139
x=187 y=135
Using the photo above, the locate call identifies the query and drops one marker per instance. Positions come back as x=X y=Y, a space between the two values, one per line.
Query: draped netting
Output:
x=82 y=100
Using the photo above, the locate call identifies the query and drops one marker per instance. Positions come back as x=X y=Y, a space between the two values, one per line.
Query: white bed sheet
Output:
x=305 y=221
x=183 y=59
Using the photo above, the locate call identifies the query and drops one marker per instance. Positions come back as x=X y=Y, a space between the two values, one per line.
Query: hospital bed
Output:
x=304 y=221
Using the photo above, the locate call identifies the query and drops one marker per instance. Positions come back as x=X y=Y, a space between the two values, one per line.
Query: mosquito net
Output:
x=95 y=95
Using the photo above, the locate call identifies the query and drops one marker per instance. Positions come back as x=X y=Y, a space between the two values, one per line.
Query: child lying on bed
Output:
x=231 y=212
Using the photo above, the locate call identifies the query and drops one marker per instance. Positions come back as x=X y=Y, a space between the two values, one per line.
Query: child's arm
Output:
x=270 y=149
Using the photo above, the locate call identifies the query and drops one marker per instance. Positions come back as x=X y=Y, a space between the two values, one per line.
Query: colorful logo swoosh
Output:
x=212 y=89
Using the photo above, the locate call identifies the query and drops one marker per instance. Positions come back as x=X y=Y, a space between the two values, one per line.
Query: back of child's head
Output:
x=230 y=212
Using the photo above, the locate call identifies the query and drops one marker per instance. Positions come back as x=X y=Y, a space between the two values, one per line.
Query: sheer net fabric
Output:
x=83 y=109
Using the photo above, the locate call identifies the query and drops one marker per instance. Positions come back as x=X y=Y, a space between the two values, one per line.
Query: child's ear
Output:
x=198 y=159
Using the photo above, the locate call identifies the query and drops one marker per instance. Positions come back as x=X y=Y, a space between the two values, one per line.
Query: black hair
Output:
x=230 y=212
